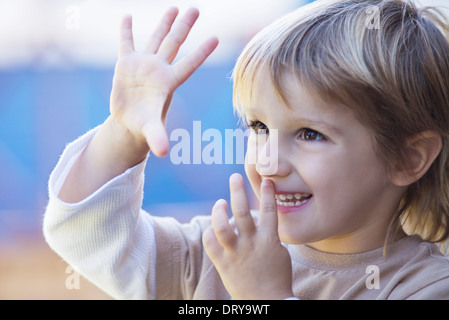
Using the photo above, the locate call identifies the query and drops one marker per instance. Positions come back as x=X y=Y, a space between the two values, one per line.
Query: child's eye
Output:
x=258 y=127
x=307 y=134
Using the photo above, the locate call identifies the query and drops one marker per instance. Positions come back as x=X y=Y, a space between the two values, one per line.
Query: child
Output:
x=357 y=94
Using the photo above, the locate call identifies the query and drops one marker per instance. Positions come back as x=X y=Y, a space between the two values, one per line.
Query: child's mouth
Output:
x=292 y=199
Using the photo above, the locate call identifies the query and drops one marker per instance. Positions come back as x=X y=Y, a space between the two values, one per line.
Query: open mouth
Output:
x=292 y=199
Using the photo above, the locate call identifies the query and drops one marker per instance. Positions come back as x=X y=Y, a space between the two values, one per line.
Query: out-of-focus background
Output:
x=57 y=61
x=56 y=66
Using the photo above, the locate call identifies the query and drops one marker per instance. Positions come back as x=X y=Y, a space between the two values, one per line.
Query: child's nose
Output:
x=271 y=157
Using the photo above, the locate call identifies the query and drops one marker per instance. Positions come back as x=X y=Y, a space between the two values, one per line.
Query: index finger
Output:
x=268 y=219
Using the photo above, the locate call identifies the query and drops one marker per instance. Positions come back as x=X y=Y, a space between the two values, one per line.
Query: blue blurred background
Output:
x=57 y=61
x=56 y=71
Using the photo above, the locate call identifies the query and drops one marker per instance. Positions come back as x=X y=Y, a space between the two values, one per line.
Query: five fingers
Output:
x=164 y=44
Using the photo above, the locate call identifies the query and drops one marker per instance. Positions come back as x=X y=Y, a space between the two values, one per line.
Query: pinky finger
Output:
x=187 y=65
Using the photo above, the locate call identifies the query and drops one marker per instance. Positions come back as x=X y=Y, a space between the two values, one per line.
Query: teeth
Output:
x=291 y=203
x=298 y=199
x=290 y=196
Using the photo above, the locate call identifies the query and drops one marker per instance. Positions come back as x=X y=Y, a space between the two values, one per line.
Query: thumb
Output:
x=156 y=137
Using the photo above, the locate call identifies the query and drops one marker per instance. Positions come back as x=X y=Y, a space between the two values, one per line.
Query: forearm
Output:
x=111 y=152
x=105 y=237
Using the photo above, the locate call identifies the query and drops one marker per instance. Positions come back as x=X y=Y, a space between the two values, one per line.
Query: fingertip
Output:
x=173 y=9
x=157 y=139
x=207 y=235
x=222 y=230
x=191 y=16
x=219 y=219
x=194 y=11
x=212 y=43
x=127 y=19
x=159 y=148
x=172 y=12
x=267 y=182
x=159 y=152
x=235 y=178
x=219 y=213
x=220 y=203
x=267 y=192
x=210 y=242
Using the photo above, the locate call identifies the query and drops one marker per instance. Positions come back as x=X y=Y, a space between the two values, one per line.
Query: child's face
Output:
x=326 y=157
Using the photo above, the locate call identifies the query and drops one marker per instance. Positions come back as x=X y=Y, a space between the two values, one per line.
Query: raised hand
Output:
x=144 y=82
x=252 y=263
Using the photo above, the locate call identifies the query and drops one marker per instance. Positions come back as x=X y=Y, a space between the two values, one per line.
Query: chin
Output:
x=294 y=236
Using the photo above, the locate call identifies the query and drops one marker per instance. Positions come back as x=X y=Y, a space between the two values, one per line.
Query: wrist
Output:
x=111 y=152
x=128 y=149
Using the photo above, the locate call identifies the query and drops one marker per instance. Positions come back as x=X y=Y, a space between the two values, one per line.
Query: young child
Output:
x=357 y=94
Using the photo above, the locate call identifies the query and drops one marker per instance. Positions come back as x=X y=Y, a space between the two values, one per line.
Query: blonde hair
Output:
x=394 y=75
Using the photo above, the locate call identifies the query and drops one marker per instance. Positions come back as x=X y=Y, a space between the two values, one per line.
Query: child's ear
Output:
x=421 y=151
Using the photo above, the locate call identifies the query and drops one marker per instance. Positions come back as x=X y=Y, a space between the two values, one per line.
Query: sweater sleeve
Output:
x=106 y=237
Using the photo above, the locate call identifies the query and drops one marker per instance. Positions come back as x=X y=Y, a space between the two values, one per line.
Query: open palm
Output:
x=144 y=82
